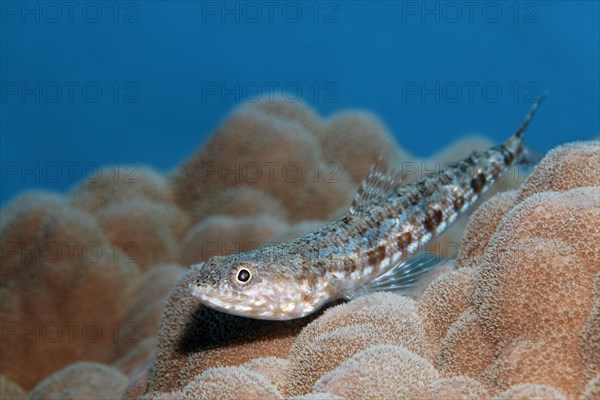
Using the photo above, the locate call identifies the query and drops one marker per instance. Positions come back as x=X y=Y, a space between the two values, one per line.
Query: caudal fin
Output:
x=521 y=131
x=515 y=149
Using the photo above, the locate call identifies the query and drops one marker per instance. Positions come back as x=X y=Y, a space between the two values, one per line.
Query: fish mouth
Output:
x=206 y=295
x=217 y=301
x=242 y=305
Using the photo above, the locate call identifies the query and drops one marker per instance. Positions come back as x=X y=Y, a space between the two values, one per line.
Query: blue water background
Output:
x=145 y=82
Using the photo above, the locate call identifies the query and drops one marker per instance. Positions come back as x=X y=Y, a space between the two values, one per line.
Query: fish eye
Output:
x=243 y=276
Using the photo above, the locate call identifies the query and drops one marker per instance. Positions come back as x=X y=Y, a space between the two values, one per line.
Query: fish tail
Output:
x=515 y=148
x=521 y=131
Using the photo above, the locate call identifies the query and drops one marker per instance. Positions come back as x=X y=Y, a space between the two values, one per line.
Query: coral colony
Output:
x=95 y=299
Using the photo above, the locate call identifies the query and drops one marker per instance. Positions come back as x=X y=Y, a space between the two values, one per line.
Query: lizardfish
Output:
x=373 y=247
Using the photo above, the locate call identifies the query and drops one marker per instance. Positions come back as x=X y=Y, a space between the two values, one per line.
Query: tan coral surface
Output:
x=472 y=333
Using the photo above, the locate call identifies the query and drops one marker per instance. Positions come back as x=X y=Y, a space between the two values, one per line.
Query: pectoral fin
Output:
x=403 y=276
x=406 y=274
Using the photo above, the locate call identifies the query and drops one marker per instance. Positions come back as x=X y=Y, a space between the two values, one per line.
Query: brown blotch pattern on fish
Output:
x=432 y=220
x=428 y=224
x=376 y=255
x=350 y=265
x=320 y=264
x=436 y=216
x=478 y=182
x=507 y=155
x=458 y=203
x=414 y=199
x=404 y=240
x=305 y=297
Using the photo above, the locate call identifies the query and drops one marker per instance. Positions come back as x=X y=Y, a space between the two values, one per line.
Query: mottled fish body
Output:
x=370 y=248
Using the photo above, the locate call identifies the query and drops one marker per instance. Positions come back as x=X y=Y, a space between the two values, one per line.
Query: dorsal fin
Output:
x=376 y=186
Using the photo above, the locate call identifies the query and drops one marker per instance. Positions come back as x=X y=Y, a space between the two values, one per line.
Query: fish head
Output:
x=252 y=288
